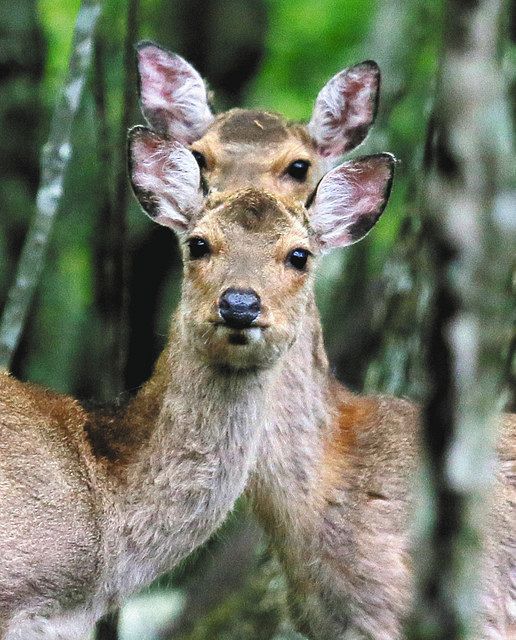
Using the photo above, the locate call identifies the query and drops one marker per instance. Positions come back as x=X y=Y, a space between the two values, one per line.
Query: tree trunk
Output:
x=22 y=115
x=54 y=162
x=469 y=223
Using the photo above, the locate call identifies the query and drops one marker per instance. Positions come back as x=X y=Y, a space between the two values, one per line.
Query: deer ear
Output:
x=345 y=109
x=173 y=96
x=350 y=199
x=165 y=178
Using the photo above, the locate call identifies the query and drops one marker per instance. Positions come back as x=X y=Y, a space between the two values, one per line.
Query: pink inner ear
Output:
x=165 y=178
x=350 y=199
x=173 y=95
x=149 y=163
x=345 y=109
x=368 y=185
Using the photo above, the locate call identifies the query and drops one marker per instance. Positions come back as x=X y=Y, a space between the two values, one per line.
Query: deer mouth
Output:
x=241 y=336
x=250 y=327
x=238 y=338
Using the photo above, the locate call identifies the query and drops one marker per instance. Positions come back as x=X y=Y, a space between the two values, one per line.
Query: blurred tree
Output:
x=382 y=315
x=22 y=53
x=55 y=158
x=469 y=209
x=112 y=239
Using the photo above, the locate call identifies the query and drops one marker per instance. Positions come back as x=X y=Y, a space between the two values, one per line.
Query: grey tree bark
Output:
x=111 y=243
x=400 y=312
x=469 y=209
x=55 y=158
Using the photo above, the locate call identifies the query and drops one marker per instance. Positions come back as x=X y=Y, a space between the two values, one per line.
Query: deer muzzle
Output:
x=239 y=308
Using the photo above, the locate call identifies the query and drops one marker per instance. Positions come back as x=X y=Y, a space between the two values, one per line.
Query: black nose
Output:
x=239 y=307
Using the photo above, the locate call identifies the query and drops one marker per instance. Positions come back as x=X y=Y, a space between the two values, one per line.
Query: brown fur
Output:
x=352 y=416
x=253 y=127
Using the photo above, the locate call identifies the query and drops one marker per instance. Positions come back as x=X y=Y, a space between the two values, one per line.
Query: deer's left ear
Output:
x=173 y=96
x=165 y=178
x=350 y=199
x=345 y=109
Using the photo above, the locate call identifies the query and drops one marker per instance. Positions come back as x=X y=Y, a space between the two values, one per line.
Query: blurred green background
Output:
x=273 y=54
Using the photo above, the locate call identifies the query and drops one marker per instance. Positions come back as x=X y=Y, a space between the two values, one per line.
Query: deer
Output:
x=332 y=484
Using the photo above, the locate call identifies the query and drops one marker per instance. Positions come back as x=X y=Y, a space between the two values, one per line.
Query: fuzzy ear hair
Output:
x=173 y=96
x=345 y=109
x=350 y=199
x=165 y=178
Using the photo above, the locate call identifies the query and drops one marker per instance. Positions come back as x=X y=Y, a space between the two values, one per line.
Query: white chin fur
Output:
x=254 y=334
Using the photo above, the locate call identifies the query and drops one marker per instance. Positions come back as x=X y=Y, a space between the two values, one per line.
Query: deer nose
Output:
x=239 y=307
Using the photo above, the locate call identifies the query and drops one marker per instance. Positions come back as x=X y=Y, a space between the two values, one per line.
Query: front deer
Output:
x=94 y=507
x=333 y=481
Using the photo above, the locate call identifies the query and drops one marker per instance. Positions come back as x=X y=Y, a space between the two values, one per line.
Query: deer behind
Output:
x=333 y=484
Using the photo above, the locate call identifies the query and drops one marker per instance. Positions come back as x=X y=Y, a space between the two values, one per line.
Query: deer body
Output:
x=92 y=512
x=336 y=489
x=342 y=530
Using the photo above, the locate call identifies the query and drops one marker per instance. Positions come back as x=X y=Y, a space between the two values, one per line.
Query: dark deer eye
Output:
x=298 y=170
x=298 y=259
x=200 y=159
x=199 y=248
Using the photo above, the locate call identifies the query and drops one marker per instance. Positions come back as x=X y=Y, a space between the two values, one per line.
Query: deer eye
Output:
x=298 y=169
x=298 y=258
x=200 y=159
x=199 y=248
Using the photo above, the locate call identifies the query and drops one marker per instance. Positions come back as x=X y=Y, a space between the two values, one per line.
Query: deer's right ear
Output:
x=350 y=199
x=165 y=178
x=173 y=96
x=345 y=109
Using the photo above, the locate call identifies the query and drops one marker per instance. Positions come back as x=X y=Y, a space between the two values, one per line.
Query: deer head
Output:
x=242 y=147
x=248 y=253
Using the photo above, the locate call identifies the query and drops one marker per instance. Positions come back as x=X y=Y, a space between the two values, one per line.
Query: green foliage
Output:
x=253 y=613
x=307 y=42
x=57 y=20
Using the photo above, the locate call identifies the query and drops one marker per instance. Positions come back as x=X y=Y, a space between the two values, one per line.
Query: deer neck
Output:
x=201 y=439
x=287 y=473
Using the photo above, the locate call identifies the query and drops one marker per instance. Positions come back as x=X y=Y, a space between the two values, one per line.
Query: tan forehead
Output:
x=255 y=127
x=255 y=212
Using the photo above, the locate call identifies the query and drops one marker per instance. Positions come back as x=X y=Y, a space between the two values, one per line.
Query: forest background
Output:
x=95 y=328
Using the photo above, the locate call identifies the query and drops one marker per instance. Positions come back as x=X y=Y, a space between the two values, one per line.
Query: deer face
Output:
x=248 y=264
x=258 y=148
x=246 y=147
x=249 y=253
